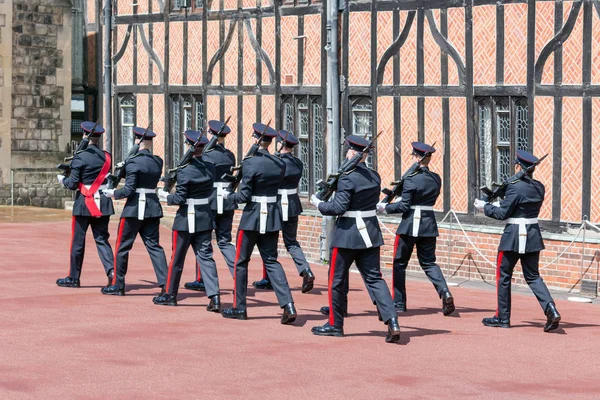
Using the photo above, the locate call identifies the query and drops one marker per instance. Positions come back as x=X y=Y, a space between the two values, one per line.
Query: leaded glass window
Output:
x=318 y=128
x=522 y=133
x=503 y=141
x=485 y=143
x=288 y=116
x=186 y=113
x=362 y=121
x=303 y=146
x=127 y=105
x=176 y=103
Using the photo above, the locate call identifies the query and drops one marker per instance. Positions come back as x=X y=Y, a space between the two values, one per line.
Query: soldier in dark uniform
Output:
x=260 y=225
x=418 y=227
x=291 y=208
x=89 y=169
x=141 y=214
x=223 y=209
x=357 y=238
x=193 y=224
x=521 y=240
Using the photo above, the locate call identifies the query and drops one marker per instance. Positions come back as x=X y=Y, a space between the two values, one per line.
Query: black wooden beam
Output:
x=397 y=100
x=343 y=53
x=568 y=90
x=586 y=145
x=373 y=90
x=557 y=126
x=410 y=91
x=301 y=41
x=531 y=70
x=445 y=116
x=471 y=165
x=516 y=91
x=168 y=125
x=499 y=44
x=420 y=65
x=222 y=58
x=277 y=5
x=135 y=52
x=258 y=61
x=205 y=62
x=240 y=80
x=147 y=89
x=324 y=79
x=184 y=72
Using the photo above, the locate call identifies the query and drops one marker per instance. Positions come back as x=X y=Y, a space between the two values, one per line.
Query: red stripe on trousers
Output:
x=199 y=275
x=331 y=274
x=499 y=262
x=264 y=271
x=119 y=235
x=73 y=222
x=393 y=261
x=173 y=247
x=237 y=257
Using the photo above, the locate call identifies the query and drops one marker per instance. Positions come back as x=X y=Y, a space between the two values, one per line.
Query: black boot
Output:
x=196 y=285
x=325 y=311
x=496 y=322
x=215 y=304
x=165 y=300
x=447 y=303
x=234 y=313
x=308 y=279
x=393 y=334
x=400 y=307
x=110 y=277
x=328 y=330
x=289 y=314
x=264 y=284
x=552 y=318
x=113 y=290
x=68 y=282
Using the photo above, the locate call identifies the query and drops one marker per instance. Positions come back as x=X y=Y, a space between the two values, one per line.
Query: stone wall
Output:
x=40 y=101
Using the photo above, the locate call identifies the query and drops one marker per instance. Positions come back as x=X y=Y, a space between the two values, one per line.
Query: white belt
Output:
x=522 y=222
x=191 y=212
x=285 y=201
x=142 y=201
x=417 y=218
x=264 y=200
x=360 y=223
x=220 y=192
x=97 y=194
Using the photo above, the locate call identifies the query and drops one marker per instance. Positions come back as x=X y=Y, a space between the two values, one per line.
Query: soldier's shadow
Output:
x=560 y=330
x=433 y=310
x=407 y=332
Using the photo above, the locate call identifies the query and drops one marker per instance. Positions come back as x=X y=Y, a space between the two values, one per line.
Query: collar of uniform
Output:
x=425 y=168
x=263 y=151
x=146 y=151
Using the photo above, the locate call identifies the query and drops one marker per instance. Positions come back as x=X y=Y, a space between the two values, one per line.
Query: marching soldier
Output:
x=261 y=222
x=89 y=169
x=291 y=208
x=521 y=240
x=141 y=214
x=223 y=209
x=418 y=227
x=193 y=224
x=357 y=238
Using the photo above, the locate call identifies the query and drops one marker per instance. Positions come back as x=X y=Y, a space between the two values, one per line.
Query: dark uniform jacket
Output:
x=223 y=159
x=261 y=176
x=357 y=190
x=293 y=173
x=85 y=167
x=523 y=199
x=142 y=171
x=194 y=181
x=422 y=188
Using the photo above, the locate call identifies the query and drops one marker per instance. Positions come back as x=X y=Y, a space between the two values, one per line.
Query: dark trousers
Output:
x=505 y=266
x=200 y=242
x=290 y=231
x=367 y=263
x=403 y=249
x=79 y=227
x=149 y=231
x=223 y=224
x=267 y=246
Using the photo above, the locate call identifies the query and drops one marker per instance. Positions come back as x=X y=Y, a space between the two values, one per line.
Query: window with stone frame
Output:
x=501 y=125
x=127 y=122
x=187 y=112
x=362 y=121
x=303 y=116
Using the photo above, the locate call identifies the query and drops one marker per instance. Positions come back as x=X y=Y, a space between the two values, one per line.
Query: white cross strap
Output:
x=360 y=223
x=285 y=202
x=522 y=222
x=191 y=212
x=417 y=218
x=263 y=200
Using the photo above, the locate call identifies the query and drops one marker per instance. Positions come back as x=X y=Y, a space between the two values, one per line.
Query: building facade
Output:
x=480 y=78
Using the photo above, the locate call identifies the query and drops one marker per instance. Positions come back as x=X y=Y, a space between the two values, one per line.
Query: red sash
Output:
x=89 y=193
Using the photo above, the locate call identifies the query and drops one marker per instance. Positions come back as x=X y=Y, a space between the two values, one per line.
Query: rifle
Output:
x=170 y=179
x=85 y=140
x=325 y=189
x=237 y=178
x=500 y=189
x=213 y=140
x=114 y=179
x=397 y=186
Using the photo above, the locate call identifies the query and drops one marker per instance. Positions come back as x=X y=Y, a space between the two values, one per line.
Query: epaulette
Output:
x=515 y=181
x=183 y=166
x=348 y=172
x=136 y=154
x=415 y=173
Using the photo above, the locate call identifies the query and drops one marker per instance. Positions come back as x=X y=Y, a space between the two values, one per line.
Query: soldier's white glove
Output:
x=496 y=203
x=60 y=178
x=162 y=195
x=479 y=204
x=314 y=201
x=381 y=208
x=109 y=193
x=226 y=193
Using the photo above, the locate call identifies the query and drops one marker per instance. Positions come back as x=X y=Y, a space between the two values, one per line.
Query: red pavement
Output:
x=60 y=343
